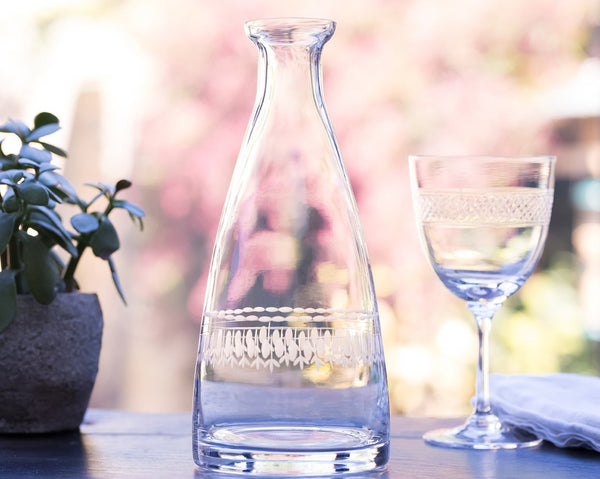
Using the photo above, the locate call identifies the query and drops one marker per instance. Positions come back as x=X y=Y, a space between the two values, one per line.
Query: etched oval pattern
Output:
x=334 y=337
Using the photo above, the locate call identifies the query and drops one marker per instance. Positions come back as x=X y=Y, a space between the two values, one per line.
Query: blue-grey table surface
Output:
x=117 y=444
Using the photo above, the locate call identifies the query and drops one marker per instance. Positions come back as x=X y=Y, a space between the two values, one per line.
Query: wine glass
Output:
x=482 y=221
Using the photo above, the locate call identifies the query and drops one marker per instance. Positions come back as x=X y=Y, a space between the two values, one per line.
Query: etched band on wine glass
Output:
x=473 y=207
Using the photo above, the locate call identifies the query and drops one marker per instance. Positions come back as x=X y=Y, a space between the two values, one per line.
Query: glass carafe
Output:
x=290 y=373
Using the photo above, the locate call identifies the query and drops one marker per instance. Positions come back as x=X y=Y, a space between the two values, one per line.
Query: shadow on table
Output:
x=44 y=455
x=544 y=461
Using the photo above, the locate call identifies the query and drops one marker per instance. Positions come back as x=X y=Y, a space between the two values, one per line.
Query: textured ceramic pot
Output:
x=48 y=362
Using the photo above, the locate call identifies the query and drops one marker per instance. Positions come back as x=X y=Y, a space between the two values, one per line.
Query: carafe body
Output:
x=290 y=373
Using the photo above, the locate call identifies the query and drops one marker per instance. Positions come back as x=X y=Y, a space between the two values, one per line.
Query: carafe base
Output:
x=290 y=449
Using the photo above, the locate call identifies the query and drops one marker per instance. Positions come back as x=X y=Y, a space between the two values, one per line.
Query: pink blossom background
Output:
x=400 y=78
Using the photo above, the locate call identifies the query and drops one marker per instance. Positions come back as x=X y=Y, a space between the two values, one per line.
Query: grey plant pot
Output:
x=48 y=363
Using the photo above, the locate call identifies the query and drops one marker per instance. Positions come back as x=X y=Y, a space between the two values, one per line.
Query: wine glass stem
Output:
x=483 y=312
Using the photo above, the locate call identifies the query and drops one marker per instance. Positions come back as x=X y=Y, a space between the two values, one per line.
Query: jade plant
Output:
x=38 y=253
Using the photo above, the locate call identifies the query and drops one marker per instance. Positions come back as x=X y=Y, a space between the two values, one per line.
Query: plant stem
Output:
x=69 y=275
x=84 y=207
x=109 y=207
x=14 y=262
x=483 y=312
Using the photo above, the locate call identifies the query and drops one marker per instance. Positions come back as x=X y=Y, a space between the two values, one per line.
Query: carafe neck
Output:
x=289 y=60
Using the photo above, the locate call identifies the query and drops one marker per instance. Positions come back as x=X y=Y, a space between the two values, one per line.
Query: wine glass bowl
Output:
x=482 y=222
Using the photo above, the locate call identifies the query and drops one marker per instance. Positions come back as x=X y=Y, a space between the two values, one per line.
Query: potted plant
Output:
x=50 y=333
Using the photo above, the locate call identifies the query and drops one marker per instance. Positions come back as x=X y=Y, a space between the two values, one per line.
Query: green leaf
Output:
x=59 y=184
x=35 y=154
x=7 y=226
x=122 y=185
x=17 y=127
x=135 y=212
x=58 y=260
x=43 y=168
x=48 y=231
x=46 y=221
x=8 y=298
x=44 y=118
x=54 y=149
x=14 y=176
x=41 y=271
x=33 y=193
x=139 y=220
x=106 y=190
x=84 y=223
x=43 y=130
x=54 y=197
x=51 y=215
x=115 y=278
x=130 y=207
x=8 y=161
x=10 y=204
x=105 y=240
x=53 y=190
x=26 y=163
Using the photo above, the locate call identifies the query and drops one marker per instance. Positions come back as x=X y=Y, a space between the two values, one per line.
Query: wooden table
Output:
x=115 y=445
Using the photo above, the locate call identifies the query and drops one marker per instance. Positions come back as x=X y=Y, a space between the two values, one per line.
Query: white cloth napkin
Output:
x=561 y=408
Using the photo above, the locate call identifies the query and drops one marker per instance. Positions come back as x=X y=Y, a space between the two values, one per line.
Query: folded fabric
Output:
x=561 y=408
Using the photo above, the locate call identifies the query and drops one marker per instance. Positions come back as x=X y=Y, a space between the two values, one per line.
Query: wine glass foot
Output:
x=482 y=432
